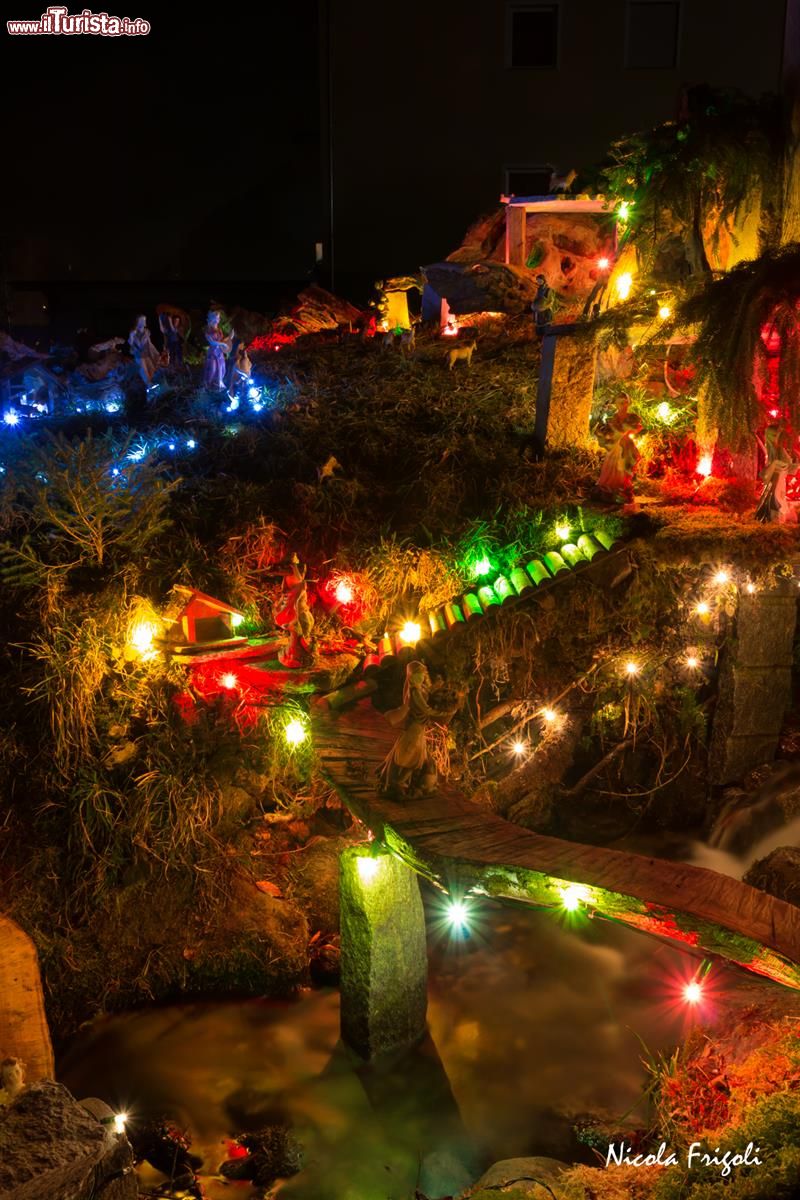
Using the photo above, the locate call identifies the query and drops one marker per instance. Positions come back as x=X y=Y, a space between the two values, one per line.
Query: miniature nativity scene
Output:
x=376 y=659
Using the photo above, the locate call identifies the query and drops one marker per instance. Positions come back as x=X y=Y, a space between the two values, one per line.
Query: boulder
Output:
x=443 y=1174
x=528 y=1176
x=482 y=286
x=273 y=1153
x=258 y=945
x=51 y=1146
x=778 y=874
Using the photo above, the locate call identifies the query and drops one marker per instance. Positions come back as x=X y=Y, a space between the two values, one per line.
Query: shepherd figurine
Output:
x=145 y=355
x=616 y=473
x=773 y=504
x=219 y=347
x=408 y=768
x=298 y=618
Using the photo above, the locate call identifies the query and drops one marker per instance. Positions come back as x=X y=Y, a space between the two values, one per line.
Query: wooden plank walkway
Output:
x=465 y=848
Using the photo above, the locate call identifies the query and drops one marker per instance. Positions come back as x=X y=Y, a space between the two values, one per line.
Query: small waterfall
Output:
x=745 y=832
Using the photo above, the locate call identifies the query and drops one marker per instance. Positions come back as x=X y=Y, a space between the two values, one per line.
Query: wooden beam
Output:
x=23 y=1025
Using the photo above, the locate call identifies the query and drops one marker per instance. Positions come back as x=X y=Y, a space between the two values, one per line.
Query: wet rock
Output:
x=529 y=1176
x=253 y=782
x=167 y=1148
x=259 y=944
x=235 y=801
x=273 y=1153
x=315 y=884
x=778 y=874
x=51 y=1146
x=325 y=964
x=442 y=1174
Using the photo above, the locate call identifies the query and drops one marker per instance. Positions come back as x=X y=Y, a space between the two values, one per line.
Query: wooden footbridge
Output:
x=466 y=849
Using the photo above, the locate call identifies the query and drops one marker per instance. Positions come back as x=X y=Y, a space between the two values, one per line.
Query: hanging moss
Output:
x=731 y=314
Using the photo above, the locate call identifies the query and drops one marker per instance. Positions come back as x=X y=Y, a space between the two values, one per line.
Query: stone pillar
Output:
x=566 y=387
x=755 y=684
x=384 y=964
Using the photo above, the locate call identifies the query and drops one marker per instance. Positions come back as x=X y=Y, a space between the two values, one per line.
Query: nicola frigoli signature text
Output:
x=696 y=1155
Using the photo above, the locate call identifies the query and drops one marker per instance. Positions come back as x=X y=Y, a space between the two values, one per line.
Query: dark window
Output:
x=528 y=181
x=533 y=35
x=653 y=34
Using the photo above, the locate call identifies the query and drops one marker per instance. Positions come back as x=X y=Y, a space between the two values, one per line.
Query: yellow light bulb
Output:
x=368 y=868
x=295 y=733
x=573 y=895
x=410 y=633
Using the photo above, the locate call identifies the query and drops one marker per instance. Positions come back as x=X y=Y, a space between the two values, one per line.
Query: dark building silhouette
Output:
x=431 y=110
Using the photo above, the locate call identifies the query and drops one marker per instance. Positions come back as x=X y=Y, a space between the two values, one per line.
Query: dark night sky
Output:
x=191 y=152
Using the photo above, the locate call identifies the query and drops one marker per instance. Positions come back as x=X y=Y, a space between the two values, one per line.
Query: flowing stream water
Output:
x=533 y=1020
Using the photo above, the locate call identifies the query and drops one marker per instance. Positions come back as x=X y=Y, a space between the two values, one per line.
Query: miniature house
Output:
x=203 y=621
x=29 y=389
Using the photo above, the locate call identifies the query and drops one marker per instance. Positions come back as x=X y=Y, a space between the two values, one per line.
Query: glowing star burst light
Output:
x=624 y=210
x=722 y=577
x=603 y=263
x=692 y=662
x=624 y=284
x=368 y=868
x=693 y=992
x=702 y=609
x=518 y=748
x=550 y=715
x=120 y=1121
x=483 y=566
x=457 y=914
x=229 y=681
x=562 y=532
x=410 y=633
x=573 y=896
x=664 y=411
x=236 y=620
x=664 y=312
x=141 y=638
x=632 y=669
x=295 y=733
x=11 y=417
x=343 y=592
x=704 y=466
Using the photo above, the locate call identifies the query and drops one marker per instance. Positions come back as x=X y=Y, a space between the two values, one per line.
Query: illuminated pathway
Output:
x=469 y=850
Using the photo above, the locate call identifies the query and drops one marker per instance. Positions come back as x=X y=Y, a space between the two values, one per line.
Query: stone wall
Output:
x=755 y=684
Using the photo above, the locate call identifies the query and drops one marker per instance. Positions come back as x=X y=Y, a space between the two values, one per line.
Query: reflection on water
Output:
x=533 y=1022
